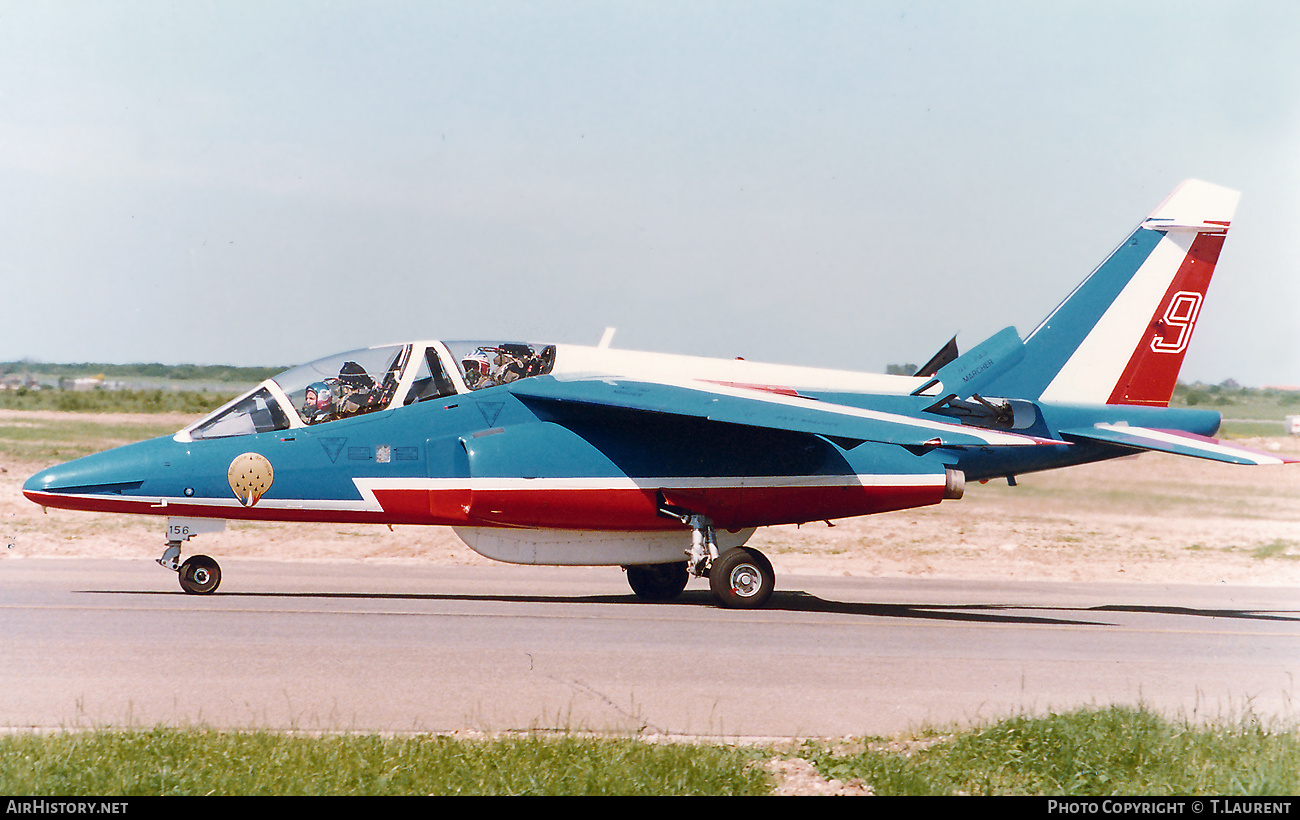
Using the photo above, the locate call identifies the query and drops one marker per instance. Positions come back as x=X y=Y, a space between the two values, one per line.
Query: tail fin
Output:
x=1120 y=337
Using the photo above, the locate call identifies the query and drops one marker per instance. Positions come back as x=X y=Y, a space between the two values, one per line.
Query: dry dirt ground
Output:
x=1149 y=518
x=1145 y=518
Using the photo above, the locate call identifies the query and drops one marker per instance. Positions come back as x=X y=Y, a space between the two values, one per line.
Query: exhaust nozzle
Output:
x=954 y=484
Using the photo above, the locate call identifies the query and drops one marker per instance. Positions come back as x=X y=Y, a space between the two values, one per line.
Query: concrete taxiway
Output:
x=395 y=647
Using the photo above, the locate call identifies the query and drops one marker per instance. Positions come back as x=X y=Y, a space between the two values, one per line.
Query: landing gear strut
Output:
x=199 y=574
x=739 y=578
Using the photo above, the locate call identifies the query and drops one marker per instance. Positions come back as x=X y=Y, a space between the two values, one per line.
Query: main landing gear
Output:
x=742 y=578
x=739 y=578
x=658 y=582
x=198 y=574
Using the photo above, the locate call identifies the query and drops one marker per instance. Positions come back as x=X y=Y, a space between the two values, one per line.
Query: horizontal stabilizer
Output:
x=755 y=408
x=1177 y=443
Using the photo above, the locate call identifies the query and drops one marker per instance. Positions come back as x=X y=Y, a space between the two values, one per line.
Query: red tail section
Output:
x=1152 y=372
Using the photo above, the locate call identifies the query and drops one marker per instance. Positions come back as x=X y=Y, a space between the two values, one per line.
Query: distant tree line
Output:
x=1229 y=392
x=1223 y=394
x=153 y=370
x=114 y=401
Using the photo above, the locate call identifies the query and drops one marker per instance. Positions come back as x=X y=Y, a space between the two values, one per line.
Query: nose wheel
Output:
x=199 y=575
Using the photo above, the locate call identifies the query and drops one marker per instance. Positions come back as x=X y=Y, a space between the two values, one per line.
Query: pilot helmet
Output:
x=319 y=397
x=477 y=366
x=354 y=377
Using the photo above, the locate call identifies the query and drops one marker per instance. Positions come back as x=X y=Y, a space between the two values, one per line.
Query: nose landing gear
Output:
x=199 y=574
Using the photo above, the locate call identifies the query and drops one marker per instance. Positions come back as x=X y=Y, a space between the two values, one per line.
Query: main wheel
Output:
x=742 y=578
x=657 y=582
x=200 y=575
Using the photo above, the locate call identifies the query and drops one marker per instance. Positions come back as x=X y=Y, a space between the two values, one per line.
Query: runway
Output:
x=399 y=647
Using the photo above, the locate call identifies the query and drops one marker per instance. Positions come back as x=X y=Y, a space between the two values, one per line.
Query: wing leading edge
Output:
x=752 y=408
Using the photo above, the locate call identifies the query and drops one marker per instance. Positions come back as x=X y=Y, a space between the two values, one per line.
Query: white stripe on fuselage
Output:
x=368 y=486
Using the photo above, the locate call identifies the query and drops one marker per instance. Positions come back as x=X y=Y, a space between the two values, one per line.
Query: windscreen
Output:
x=257 y=412
x=346 y=384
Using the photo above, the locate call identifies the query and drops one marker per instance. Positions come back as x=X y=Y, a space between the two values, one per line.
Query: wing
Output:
x=1176 y=442
x=755 y=408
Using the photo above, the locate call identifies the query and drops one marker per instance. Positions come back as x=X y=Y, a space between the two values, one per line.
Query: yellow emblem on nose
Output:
x=250 y=477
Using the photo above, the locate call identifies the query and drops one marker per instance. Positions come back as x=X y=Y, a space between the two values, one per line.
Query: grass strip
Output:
x=196 y=403
x=1089 y=752
x=165 y=761
x=71 y=436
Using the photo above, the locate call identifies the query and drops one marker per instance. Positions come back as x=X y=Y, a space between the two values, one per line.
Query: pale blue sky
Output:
x=843 y=184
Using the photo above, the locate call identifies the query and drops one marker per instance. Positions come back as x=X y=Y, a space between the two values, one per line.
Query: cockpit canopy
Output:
x=369 y=380
x=485 y=365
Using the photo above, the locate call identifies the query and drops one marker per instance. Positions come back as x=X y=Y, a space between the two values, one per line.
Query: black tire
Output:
x=200 y=575
x=657 y=582
x=742 y=578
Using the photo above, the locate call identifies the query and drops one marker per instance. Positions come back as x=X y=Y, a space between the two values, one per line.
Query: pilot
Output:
x=355 y=389
x=508 y=368
x=478 y=369
x=318 y=404
x=515 y=361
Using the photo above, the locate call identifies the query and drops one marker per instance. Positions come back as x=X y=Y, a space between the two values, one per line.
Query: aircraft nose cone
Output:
x=84 y=477
x=113 y=472
x=44 y=481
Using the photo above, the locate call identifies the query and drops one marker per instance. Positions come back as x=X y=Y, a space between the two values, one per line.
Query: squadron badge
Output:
x=250 y=477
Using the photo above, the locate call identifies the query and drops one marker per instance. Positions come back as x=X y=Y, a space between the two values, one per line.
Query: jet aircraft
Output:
x=559 y=454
